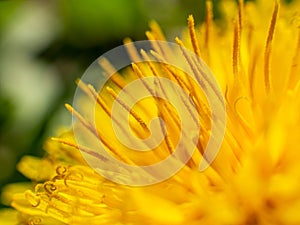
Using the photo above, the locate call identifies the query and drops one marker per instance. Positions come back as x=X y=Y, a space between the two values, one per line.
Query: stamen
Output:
x=35 y=221
x=178 y=79
x=180 y=43
x=116 y=78
x=294 y=76
x=81 y=119
x=268 y=49
x=236 y=51
x=204 y=80
x=93 y=153
x=167 y=114
x=208 y=26
x=155 y=44
x=93 y=130
x=169 y=110
x=72 y=174
x=241 y=14
x=50 y=187
x=39 y=189
x=61 y=170
x=190 y=62
x=252 y=66
x=99 y=100
x=156 y=30
x=167 y=137
x=131 y=50
x=52 y=210
x=91 y=92
x=235 y=146
x=196 y=69
x=150 y=65
x=95 y=133
x=87 y=207
x=85 y=89
x=158 y=83
x=34 y=199
x=181 y=83
x=60 y=201
x=81 y=148
x=139 y=73
x=161 y=114
x=191 y=24
x=194 y=117
x=61 y=173
x=242 y=120
x=126 y=107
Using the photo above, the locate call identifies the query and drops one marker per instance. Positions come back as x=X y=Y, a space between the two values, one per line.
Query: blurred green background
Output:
x=46 y=45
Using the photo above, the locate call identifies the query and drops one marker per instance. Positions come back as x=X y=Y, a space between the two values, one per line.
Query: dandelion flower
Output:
x=254 y=53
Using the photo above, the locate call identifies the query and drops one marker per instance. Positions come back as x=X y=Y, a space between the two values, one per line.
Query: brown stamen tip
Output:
x=236 y=50
x=241 y=12
x=268 y=48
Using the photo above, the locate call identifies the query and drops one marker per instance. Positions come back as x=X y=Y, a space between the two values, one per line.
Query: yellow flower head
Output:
x=254 y=53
